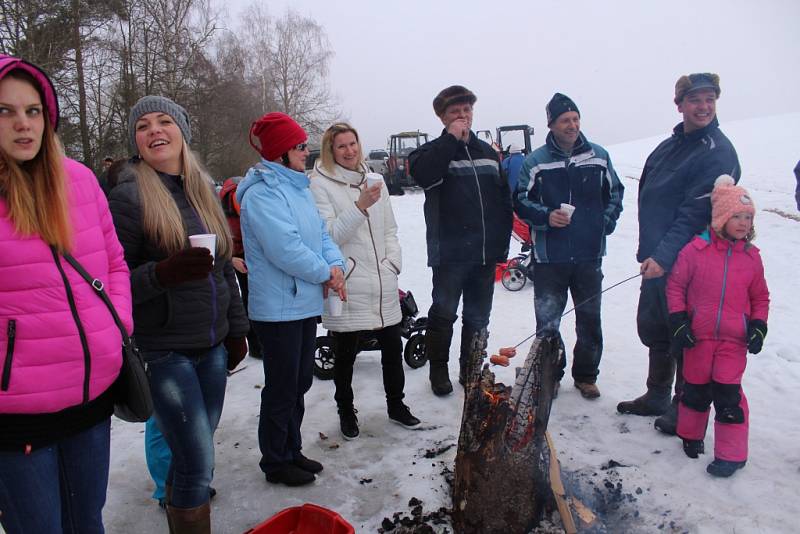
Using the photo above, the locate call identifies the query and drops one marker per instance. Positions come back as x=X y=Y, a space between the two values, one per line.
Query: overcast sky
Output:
x=617 y=59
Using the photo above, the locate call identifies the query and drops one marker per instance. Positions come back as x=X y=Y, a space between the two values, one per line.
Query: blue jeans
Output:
x=188 y=394
x=288 y=350
x=59 y=488
x=475 y=282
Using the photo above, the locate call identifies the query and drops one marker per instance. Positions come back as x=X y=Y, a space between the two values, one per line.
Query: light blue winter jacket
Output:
x=289 y=253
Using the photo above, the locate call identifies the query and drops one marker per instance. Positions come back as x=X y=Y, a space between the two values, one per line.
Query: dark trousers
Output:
x=391 y=363
x=652 y=324
x=584 y=281
x=288 y=363
x=474 y=282
x=58 y=488
x=253 y=344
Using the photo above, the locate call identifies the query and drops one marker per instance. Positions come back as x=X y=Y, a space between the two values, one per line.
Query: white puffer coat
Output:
x=369 y=247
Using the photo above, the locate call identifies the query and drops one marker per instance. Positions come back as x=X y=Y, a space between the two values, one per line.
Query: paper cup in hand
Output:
x=334 y=304
x=569 y=208
x=373 y=178
x=208 y=241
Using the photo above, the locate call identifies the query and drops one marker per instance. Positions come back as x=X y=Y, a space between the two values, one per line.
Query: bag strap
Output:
x=97 y=285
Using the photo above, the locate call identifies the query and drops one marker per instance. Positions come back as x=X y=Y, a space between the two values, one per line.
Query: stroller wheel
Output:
x=324 y=357
x=414 y=353
x=513 y=278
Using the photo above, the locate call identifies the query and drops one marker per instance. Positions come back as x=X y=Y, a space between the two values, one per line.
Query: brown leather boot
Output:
x=195 y=520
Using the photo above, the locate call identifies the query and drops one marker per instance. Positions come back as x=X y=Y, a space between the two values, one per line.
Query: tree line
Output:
x=103 y=55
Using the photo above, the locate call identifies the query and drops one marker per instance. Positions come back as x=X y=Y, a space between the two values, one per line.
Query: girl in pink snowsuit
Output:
x=718 y=302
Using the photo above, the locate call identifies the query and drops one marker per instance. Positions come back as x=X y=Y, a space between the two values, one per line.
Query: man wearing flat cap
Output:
x=570 y=195
x=674 y=205
x=468 y=219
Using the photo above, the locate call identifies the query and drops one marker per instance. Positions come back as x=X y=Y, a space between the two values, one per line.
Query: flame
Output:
x=494 y=398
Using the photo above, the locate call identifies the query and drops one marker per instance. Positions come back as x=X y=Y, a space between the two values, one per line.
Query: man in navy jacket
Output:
x=570 y=195
x=674 y=205
x=468 y=219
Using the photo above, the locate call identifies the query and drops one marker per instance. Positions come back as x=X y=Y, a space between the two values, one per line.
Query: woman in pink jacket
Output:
x=60 y=349
x=718 y=302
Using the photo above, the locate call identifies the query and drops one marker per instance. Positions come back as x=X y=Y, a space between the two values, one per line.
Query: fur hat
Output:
x=693 y=82
x=559 y=105
x=9 y=63
x=277 y=134
x=158 y=104
x=455 y=94
x=727 y=199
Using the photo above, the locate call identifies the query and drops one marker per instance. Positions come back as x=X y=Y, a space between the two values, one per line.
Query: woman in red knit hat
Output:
x=291 y=261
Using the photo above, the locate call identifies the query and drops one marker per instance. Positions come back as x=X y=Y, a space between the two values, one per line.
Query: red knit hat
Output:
x=727 y=199
x=277 y=133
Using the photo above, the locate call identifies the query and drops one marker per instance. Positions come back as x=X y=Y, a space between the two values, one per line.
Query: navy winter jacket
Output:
x=675 y=189
x=585 y=179
x=467 y=201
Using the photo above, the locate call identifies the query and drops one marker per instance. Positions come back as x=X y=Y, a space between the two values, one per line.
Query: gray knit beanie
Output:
x=160 y=104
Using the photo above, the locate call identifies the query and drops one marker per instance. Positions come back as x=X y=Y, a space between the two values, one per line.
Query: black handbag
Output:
x=131 y=390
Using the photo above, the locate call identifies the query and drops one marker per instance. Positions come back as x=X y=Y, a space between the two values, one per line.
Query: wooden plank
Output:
x=557 y=485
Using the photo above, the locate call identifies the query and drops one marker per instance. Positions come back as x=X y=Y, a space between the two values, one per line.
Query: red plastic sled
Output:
x=306 y=519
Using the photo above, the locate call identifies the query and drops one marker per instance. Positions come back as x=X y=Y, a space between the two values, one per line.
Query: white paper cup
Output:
x=208 y=241
x=373 y=178
x=569 y=208
x=334 y=304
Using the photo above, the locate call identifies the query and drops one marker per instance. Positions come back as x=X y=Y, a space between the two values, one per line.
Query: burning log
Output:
x=506 y=472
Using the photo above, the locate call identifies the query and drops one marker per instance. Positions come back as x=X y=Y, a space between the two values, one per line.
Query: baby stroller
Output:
x=518 y=269
x=411 y=328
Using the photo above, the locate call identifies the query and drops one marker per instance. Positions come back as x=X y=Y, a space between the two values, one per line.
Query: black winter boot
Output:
x=437 y=351
x=693 y=447
x=667 y=423
x=655 y=401
x=724 y=468
x=400 y=414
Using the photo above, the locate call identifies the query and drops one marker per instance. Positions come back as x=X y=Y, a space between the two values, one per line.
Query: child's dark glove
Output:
x=237 y=350
x=756 y=332
x=680 y=328
x=185 y=265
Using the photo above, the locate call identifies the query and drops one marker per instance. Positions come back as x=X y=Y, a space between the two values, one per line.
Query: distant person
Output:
x=674 y=205
x=716 y=282
x=468 y=217
x=359 y=218
x=102 y=178
x=291 y=262
x=512 y=164
x=797 y=189
x=569 y=246
x=60 y=345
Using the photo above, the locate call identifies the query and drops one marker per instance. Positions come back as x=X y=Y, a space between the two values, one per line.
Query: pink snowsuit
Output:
x=721 y=285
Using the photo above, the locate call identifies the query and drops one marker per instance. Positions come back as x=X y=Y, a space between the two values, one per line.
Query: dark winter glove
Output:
x=756 y=332
x=237 y=350
x=184 y=266
x=681 y=331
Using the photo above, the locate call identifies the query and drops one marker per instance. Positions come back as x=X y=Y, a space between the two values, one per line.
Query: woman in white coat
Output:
x=360 y=220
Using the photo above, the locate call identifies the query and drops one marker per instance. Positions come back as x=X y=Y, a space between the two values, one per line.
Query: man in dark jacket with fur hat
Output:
x=468 y=218
x=674 y=205
x=570 y=195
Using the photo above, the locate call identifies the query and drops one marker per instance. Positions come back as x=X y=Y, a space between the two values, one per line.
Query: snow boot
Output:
x=291 y=475
x=307 y=464
x=693 y=447
x=588 y=390
x=661 y=371
x=667 y=423
x=724 y=468
x=348 y=423
x=195 y=520
x=437 y=350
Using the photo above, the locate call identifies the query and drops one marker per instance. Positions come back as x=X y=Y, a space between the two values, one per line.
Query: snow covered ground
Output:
x=656 y=488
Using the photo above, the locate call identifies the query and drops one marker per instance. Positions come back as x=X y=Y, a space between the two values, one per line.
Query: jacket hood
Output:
x=340 y=174
x=272 y=174
x=9 y=63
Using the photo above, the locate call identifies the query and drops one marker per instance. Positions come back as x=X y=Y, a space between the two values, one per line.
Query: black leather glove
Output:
x=756 y=332
x=184 y=266
x=237 y=350
x=680 y=328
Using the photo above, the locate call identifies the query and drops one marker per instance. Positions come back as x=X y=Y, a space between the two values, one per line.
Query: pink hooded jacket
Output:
x=721 y=285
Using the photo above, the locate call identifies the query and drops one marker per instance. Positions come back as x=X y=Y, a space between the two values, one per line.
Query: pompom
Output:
x=724 y=180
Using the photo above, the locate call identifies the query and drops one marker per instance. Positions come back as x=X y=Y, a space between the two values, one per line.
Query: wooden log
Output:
x=503 y=463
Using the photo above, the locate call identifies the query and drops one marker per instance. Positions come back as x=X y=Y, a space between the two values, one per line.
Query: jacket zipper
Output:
x=480 y=199
x=722 y=296
x=12 y=332
x=87 y=359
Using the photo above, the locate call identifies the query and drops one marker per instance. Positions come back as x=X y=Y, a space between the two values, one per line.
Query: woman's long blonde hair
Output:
x=161 y=217
x=326 y=149
x=36 y=190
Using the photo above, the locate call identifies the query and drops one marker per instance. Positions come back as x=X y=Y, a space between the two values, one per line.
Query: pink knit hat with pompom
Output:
x=727 y=199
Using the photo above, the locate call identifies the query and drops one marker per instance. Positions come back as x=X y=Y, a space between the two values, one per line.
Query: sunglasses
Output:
x=301 y=146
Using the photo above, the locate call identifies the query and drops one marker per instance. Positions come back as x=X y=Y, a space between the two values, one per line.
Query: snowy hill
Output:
x=655 y=488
